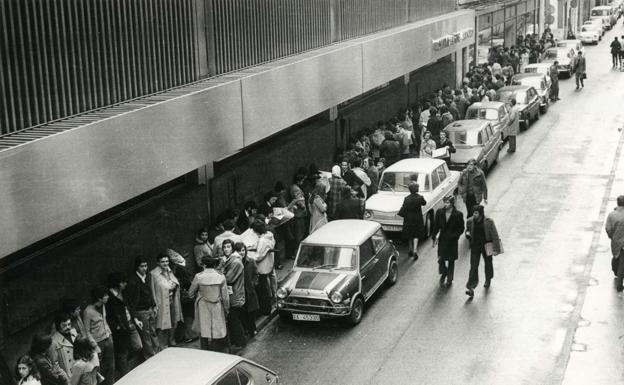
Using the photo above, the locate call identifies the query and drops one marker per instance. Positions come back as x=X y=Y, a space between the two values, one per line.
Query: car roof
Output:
x=559 y=49
x=467 y=125
x=515 y=88
x=602 y=7
x=415 y=165
x=343 y=232
x=196 y=367
x=492 y=104
x=529 y=75
x=538 y=65
x=569 y=41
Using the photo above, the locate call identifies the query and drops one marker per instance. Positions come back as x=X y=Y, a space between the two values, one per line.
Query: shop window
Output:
x=498 y=17
x=510 y=12
x=484 y=43
x=498 y=35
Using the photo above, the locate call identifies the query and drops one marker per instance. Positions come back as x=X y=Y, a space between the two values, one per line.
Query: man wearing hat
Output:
x=449 y=223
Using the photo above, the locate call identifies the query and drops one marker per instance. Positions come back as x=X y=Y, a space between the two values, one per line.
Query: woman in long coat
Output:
x=413 y=225
x=212 y=303
x=166 y=291
x=449 y=223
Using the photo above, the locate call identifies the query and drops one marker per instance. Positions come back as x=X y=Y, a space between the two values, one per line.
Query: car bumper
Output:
x=457 y=166
x=324 y=312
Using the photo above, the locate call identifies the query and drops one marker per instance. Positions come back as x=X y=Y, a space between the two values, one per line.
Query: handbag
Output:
x=489 y=248
x=584 y=76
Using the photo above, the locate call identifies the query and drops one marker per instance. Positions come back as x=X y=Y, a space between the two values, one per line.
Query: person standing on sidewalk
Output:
x=413 y=225
x=615 y=231
x=514 y=126
x=235 y=278
x=95 y=322
x=554 y=78
x=212 y=304
x=616 y=47
x=251 y=282
x=472 y=186
x=166 y=290
x=484 y=241
x=579 y=70
x=140 y=301
x=449 y=223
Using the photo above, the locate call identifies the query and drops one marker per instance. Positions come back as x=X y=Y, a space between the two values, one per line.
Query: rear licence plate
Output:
x=391 y=228
x=306 y=317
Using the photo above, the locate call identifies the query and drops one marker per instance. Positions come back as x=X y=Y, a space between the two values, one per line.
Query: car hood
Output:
x=389 y=202
x=520 y=107
x=305 y=282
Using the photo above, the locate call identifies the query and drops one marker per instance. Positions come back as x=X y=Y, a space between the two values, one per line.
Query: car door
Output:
x=492 y=144
x=383 y=250
x=483 y=157
x=369 y=269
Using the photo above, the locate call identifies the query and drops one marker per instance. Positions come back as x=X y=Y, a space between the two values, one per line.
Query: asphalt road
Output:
x=534 y=325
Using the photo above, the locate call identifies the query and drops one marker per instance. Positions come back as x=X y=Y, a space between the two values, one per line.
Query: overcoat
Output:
x=160 y=290
x=615 y=230
x=411 y=211
x=62 y=350
x=212 y=303
x=450 y=230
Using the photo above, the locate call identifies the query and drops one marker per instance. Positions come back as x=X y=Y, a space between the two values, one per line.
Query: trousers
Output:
x=512 y=143
x=235 y=326
x=446 y=267
x=475 y=258
x=107 y=360
x=148 y=335
x=579 y=79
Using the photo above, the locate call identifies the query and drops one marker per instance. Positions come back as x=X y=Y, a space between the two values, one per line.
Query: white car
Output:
x=576 y=45
x=597 y=23
x=198 y=367
x=539 y=68
x=590 y=34
x=434 y=178
x=563 y=56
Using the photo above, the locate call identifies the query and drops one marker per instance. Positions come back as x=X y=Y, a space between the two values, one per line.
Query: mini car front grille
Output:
x=309 y=301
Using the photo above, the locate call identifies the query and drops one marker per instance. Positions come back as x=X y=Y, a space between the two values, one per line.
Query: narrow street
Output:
x=549 y=201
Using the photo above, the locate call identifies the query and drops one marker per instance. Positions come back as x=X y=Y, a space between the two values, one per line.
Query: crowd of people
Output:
x=216 y=293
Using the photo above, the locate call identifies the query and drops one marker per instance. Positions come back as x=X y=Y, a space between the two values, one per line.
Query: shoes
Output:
x=577 y=87
x=189 y=340
x=620 y=288
x=470 y=293
x=511 y=151
x=415 y=256
x=410 y=254
x=558 y=99
x=487 y=283
x=448 y=283
x=442 y=278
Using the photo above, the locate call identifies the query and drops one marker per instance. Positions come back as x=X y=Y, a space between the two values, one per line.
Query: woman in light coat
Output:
x=318 y=208
x=212 y=304
x=166 y=291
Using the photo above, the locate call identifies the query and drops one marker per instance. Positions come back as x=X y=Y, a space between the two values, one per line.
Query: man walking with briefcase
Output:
x=484 y=240
x=579 y=70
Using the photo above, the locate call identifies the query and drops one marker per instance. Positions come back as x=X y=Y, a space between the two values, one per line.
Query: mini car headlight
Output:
x=282 y=293
x=336 y=297
x=368 y=214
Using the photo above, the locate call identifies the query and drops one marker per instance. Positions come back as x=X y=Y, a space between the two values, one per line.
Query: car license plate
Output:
x=391 y=228
x=306 y=317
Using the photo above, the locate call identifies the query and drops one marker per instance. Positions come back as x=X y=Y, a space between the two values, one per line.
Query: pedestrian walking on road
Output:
x=514 y=126
x=484 y=241
x=472 y=186
x=413 y=225
x=212 y=304
x=622 y=53
x=580 y=69
x=554 y=78
x=616 y=47
x=615 y=231
x=449 y=223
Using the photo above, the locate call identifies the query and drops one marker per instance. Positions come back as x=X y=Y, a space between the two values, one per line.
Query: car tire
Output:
x=393 y=273
x=545 y=109
x=357 y=311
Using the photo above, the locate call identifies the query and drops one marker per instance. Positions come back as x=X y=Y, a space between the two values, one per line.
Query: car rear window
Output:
x=326 y=257
x=463 y=138
x=482 y=113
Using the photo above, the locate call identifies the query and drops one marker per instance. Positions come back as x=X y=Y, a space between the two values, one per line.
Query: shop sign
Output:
x=452 y=39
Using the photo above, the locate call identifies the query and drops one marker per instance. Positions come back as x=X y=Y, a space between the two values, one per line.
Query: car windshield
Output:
x=465 y=138
x=326 y=257
x=534 y=82
x=534 y=70
x=398 y=181
x=482 y=113
x=505 y=96
x=553 y=55
x=599 y=12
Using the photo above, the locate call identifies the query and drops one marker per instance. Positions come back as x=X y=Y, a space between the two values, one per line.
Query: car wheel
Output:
x=357 y=311
x=393 y=273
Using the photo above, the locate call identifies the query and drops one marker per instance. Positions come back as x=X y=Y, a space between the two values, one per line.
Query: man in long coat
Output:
x=484 y=241
x=413 y=225
x=166 y=291
x=579 y=68
x=212 y=304
x=615 y=231
x=449 y=223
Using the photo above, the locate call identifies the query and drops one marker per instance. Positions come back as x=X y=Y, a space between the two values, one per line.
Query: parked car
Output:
x=434 y=179
x=576 y=45
x=598 y=24
x=537 y=81
x=527 y=102
x=496 y=112
x=590 y=34
x=564 y=56
x=337 y=269
x=539 y=68
x=198 y=367
x=474 y=139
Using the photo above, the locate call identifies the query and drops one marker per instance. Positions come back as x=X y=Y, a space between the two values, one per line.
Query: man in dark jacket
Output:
x=449 y=223
x=472 y=186
x=140 y=301
x=579 y=67
x=484 y=241
x=351 y=207
x=413 y=225
x=616 y=47
x=434 y=125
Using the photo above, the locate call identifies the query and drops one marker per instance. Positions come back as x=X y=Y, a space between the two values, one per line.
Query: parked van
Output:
x=604 y=13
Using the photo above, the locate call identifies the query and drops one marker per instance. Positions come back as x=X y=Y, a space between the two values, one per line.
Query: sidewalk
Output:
x=262 y=320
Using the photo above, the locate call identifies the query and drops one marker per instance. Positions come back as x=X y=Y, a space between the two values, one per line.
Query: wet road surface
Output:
x=551 y=315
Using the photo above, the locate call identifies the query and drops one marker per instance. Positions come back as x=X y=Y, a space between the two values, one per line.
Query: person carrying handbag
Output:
x=484 y=241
